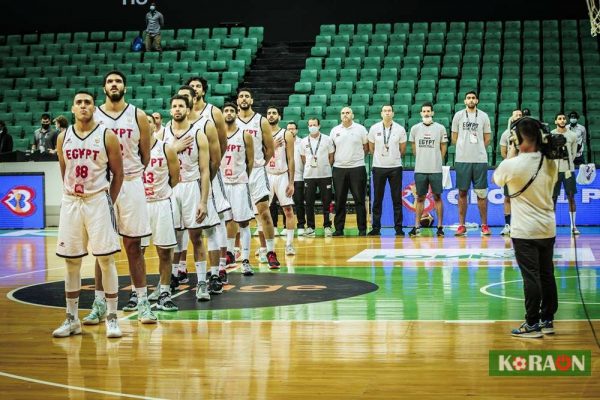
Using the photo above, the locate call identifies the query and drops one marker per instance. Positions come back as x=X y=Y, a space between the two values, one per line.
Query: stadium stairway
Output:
x=274 y=71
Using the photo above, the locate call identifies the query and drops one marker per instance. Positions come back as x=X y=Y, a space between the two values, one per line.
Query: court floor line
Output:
x=79 y=388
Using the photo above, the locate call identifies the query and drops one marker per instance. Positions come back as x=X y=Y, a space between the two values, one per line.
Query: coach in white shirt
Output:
x=350 y=140
x=387 y=144
x=298 y=179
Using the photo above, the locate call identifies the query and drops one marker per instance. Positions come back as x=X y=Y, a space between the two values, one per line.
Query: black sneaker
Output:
x=183 y=277
x=528 y=331
x=214 y=285
x=399 y=232
x=375 y=232
x=272 y=260
x=362 y=233
x=230 y=259
x=413 y=232
x=547 y=327
x=338 y=233
x=174 y=283
x=223 y=276
x=440 y=231
x=132 y=304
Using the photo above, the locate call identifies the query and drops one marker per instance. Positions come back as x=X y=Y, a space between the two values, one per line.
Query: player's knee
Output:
x=110 y=279
x=73 y=278
x=420 y=199
x=462 y=194
x=437 y=197
x=212 y=239
x=481 y=193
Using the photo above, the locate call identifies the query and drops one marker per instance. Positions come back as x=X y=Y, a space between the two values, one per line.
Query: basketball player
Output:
x=280 y=171
x=159 y=129
x=130 y=124
x=190 y=197
x=236 y=167
x=429 y=143
x=86 y=151
x=160 y=176
x=259 y=128
x=505 y=143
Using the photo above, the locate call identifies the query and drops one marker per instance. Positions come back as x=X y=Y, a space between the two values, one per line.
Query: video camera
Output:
x=551 y=145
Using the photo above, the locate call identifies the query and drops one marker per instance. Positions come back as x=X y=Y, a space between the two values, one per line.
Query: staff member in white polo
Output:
x=350 y=140
x=387 y=144
x=317 y=151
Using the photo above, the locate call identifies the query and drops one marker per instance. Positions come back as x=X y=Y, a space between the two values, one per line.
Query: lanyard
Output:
x=467 y=115
x=386 y=140
x=314 y=153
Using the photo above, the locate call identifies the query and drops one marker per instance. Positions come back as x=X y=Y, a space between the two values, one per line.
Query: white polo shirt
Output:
x=349 y=142
x=319 y=168
x=389 y=138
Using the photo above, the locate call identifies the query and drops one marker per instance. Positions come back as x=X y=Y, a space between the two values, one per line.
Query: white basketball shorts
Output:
x=162 y=224
x=279 y=184
x=132 y=217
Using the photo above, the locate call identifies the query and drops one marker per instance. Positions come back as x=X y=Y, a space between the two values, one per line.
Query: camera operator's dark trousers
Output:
x=394 y=177
x=299 y=203
x=311 y=185
x=354 y=179
x=534 y=257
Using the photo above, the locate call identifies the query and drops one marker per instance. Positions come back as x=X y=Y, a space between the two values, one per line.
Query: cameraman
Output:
x=533 y=228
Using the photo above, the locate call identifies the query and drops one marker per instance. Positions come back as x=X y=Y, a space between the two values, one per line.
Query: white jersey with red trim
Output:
x=126 y=127
x=156 y=175
x=233 y=163
x=86 y=162
x=253 y=127
x=207 y=112
x=189 y=169
x=278 y=164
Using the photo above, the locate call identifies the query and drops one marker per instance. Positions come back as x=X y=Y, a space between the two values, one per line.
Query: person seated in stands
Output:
x=6 y=141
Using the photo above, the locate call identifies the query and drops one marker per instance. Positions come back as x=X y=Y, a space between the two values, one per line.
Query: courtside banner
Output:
x=587 y=200
x=22 y=201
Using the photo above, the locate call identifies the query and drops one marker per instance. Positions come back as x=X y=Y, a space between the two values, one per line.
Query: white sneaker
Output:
x=246 y=268
x=310 y=232
x=300 y=232
x=202 y=292
x=328 y=231
x=154 y=295
x=575 y=231
x=112 y=327
x=506 y=230
x=262 y=256
x=145 y=314
x=289 y=250
x=70 y=326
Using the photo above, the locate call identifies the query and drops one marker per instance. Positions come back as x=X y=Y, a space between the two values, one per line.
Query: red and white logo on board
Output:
x=19 y=201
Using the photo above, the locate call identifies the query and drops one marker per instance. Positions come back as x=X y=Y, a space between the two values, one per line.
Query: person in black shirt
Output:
x=6 y=141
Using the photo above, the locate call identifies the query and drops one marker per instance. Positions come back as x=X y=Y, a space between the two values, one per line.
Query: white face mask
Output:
x=152 y=8
x=573 y=121
x=427 y=120
x=313 y=129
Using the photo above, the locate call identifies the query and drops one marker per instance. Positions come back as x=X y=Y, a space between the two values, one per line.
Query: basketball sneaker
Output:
x=70 y=326
x=575 y=231
x=229 y=259
x=145 y=314
x=289 y=250
x=174 y=283
x=246 y=268
x=112 y=327
x=461 y=231
x=272 y=260
x=547 y=327
x=183 y=277
x=300 y=232
x=214 y=284
x=528 y=331
x=97 y=314
x=309 y=232
x=223 y=276
x=485 y=230
x=202 y=292
x=440 y=231
x=414 y=232
x=327 y=231
x=262 y=256
x=165 y=303
x=237 y=253
x=132 y=304
x=154 y=295
x=506 y=230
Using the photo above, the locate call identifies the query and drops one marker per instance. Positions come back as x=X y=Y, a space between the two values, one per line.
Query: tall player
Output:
x=281 y=174
x=255 y=124
x=86 y=152
x=160 y=176
x=192 y=208
x=236 y=167
x=130 y=125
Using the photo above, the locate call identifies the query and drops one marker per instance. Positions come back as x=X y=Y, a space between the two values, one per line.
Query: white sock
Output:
x=111 y=305
x=572 y=214
x=73 y=307
x=165 y=288
x=270 y=244
x=201 y=270
x=99 y=294
x=245 y=242
x=231 y=244
x=290 y=237
x=214 y=270
x=142 y=293
x=182 y=266
x=175 y=270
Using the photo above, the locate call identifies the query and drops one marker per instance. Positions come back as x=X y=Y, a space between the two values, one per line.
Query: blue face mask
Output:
x=573 y=121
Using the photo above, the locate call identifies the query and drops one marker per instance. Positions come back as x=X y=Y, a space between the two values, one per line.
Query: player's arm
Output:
x=454 y=137
x=203 y=155
x=59 y=153
x=268 y=145
x=289 y=150
x=145 y=133
x=443 y=149
x=402 y=148
x=115 y=163
x=214 y=148
x=249 y=142
x=173 y=165
x=371 y=147
x=487 y=137
x=221 y=129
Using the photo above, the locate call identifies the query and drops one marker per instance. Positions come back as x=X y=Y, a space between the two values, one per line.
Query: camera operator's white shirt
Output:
x=533 y=211
x=564 y=165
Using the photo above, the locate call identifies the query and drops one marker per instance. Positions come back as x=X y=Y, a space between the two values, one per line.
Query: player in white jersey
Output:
x=160 y=176
x=130 y=125
x=259 y=128
x=281 y=170
x=87 y=153
x=159 y=129
x=236 y=167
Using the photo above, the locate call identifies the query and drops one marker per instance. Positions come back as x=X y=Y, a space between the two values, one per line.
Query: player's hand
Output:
x=201 y=213
x=279 y=142
x=289 y=191
x=183 y=143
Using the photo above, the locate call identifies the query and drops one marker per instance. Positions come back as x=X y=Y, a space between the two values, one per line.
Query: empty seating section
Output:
x=546 y=66
x=40 y=72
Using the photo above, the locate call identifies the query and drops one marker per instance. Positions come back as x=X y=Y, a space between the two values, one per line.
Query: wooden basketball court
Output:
x=425 y=330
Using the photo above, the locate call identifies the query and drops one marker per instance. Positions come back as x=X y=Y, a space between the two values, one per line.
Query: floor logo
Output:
x=540 y=363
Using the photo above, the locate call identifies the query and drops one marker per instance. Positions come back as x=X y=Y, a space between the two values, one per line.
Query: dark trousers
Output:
x=394 y=177
x=534 y=257
x=310 y=194
x=355 y=180
x=274 y=209
x=299 y=203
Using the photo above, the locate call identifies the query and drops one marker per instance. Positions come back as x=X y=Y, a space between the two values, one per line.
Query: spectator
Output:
x=6 y=142
x=44 y=138
x=581 y=134
x=154 y=21
x=61 y=124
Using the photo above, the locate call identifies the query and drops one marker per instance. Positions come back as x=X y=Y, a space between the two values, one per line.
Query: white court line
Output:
x=70 y=387
x=31 y=272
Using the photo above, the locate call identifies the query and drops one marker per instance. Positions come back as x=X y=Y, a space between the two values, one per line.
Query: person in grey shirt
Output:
x=154 y=21
x=581 y=134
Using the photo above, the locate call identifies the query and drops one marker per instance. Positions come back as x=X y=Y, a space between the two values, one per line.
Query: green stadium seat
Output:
x=323 y=88
x=344 y=87
x=317 y=100
x=303 y=87
x=297 y=100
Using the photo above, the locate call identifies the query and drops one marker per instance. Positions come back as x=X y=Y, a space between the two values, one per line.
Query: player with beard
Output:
x=130 y=124
x=257 y=125
x=236 y=167
x=281 y=174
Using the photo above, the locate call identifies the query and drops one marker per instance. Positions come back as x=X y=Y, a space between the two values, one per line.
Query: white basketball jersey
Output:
x=233 y=163
x=126 y=127
x=253 y=127
x=278 y=164
x=189 y=170
x=86 y=162
x=156 y=175
x=207 y=112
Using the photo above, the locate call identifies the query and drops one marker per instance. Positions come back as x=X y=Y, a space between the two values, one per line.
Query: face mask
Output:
x=152 y=8
x=427 y=120
x=573 y=121
x=45 y=126
x=313 y=129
